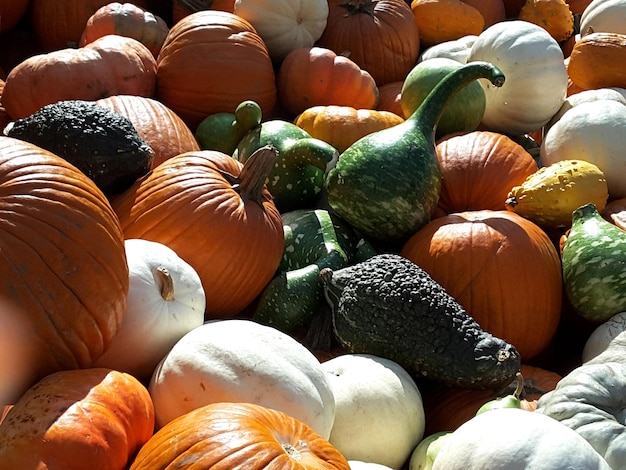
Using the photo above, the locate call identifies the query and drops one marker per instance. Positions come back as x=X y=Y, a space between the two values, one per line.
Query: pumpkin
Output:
x=126 y=19
x=70 y=417
x=57 y=230
x=182 y=8
x=162 y=129
x=111 y=65
x=445 y=20
x=469 y=253
x=379 y=35
x=165 y=301
x=379 y=415
x=584 y=96
x=456 y=49
x=316 y=76
x=341 y=126
x=240 y=360
x=447 y=408
x=592 y=61
x=478 y=169
x=485 y=441
x=553 y=15
x=285 y=25
x=238 y=435
x=602 y=335
x=615 y=211
x=217 y=215
x=59 y=24
x=209 y=63
x=605 y=16
x=389 y=96
x=536 y=77
x=11 y=13
x=591 y=131
x=492 y=11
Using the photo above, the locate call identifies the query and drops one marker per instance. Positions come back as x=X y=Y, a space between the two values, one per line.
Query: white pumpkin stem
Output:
x=165 y=282
x=519 y=389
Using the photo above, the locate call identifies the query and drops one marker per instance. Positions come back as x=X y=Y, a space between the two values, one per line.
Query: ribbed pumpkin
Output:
x=158 y=125
x=58 y=24
x=238 y=435
x=72 y=417
x=126 y=19
x=217 y=215
x=479 y=168
x=502 y=268
x=64 y=273
x=379 y=35
x=210 y=62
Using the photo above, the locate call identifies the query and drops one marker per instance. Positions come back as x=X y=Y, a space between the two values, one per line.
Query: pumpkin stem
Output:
x=165 y=283
x=354 y=7
x=519 y=389
x=250 y=183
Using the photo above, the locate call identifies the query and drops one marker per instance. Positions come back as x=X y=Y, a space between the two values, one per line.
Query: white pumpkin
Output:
x=379 y=414
x=239 y=360
x=585 y=96
x=515 y=439
x=535 y=83
x=165 y=301
x=604 y=16
x=457 y=49
x=285 y=25
x=594 y=131
x=604 y=333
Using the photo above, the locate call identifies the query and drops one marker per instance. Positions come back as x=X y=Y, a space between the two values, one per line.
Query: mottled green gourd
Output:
x=594 y=265
x=390 y=307
x=387 y=184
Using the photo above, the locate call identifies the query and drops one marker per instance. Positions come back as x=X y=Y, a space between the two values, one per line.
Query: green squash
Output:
x=387 y=184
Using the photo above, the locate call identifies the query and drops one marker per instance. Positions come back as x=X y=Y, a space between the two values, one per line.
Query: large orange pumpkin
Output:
x=217 y=215
x=502 y=268
x=379 y=35
x=210 y=62
x=161 y=128
x=479 y=169
x=238 y=435
x=73 y=419
x=64 y=273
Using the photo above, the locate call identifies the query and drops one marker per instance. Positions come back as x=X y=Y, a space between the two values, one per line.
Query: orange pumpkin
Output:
x=210 y=62
x=503 y=269
x=218 y=216
x=238 y=435
x=182 y=8
x=492 y=11
x=447 y=408
x=379 y=35
x=58 y=24
x=126 y=19
x=159 y=126
x=11 y=13
x=111 y=65
x=479 y=169
x=591 y=64
x=445 y=20
x=316 y=76
x=389 y=97
x=64 y=273
x=68 y=418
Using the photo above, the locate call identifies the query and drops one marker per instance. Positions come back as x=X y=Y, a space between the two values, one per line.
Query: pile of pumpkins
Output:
x=163 y=305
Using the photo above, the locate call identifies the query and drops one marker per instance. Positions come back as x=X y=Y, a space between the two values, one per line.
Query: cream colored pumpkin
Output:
x=602 y=335
x=604 y=16
x=585 y=96
x=457 y=49
x=240 y=360
x=379 y=414
x=285 y=25
x=535 y=84
x=165 y=301
x=595 y=132
x=515 y=439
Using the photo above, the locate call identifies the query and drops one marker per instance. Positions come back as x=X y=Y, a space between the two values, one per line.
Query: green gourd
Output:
x=387 y=184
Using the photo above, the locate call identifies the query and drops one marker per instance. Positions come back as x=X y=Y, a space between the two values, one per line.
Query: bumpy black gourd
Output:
x=390 y=307
x=101 y=143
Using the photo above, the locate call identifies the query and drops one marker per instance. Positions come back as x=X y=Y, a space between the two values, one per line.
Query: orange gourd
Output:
x=162 y=129
x=71 y=419
x=554 y=16
x=479 y=169
x=238 y=435
x=126 y=19
x=217 y=215
x=591 y=64
x=503 y=269
x=316 y=76
x=210 y=62
x=445 y=20
x=379 y=35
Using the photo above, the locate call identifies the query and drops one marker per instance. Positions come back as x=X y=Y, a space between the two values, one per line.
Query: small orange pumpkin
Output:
x=239 y=435
x=445 y=20
x=316 y=76
x=502 y=268
x=554 y=16
x=591 y=64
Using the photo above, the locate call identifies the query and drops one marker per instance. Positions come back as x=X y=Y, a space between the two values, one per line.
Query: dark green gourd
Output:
x=390 y=307
x=594 y=265
x=387 y=184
